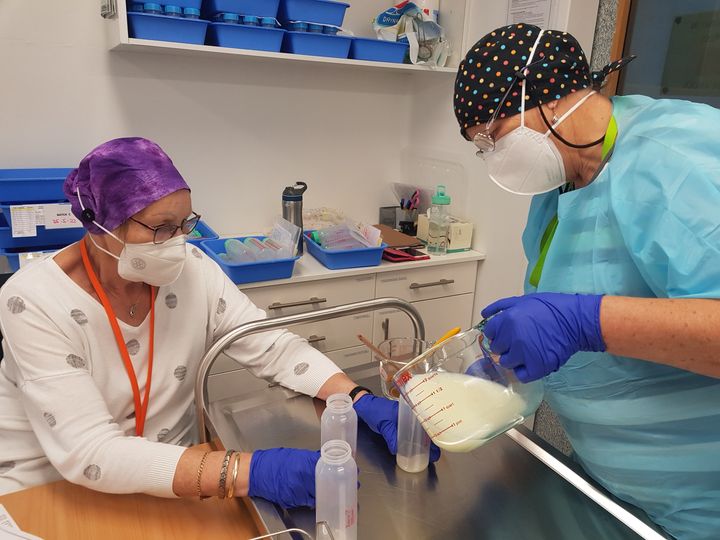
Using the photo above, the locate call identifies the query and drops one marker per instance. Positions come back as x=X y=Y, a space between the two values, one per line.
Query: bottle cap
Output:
x=250 y=19
x=294 y=192
x=230 y=17
x=152 y=7
x=440 y=197
x=267 y=21
x=191 y=12
x=173 y=10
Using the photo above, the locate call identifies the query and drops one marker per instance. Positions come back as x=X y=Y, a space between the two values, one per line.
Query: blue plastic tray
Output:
x=45 y=237
x=259 y=8
x=32 y=185
x=207 y=234
x=249 y=272
x=239 y=36
x=344 y=258
x=316 y=44
x=314 y=11
x=378 y=50
x=163 y=28
x=13 y=255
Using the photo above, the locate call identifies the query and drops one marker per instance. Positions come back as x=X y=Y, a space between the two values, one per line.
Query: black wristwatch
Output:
x=355 y=391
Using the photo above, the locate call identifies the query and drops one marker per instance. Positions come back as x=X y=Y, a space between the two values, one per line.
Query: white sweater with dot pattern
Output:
x=66 y=406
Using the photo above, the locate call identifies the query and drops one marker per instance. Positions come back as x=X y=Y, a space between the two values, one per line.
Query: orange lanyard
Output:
x=141 y=406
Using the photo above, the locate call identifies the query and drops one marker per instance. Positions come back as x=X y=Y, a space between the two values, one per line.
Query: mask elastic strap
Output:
x=551 y=127
x=82 y=207
x=524 y=81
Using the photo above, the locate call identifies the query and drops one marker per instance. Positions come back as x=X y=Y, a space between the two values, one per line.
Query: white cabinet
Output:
x=426 y=283
x=347 y=358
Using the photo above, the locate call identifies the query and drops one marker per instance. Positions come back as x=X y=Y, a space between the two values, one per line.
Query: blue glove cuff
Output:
x=591 y=331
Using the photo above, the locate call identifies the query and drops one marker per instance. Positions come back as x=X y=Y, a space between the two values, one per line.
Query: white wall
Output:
x=240 y=130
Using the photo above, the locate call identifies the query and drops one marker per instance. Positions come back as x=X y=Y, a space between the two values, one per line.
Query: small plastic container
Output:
x=377 y=50
x=20 y=186
x=297 y=27
x=339 y=421
x=152 y=9
x=227 y=18
x=173 y=11
x=249 y=272
x=339 y=259
x=315 y=28
x=162 y=28
x=240 y=36
x=336 y=493
x=268 y=22
x=195 y=4
x=317 y=44
x=259 y=8
x=191 y=13
x=330 y=30
x=251 y=20
x=317 y=11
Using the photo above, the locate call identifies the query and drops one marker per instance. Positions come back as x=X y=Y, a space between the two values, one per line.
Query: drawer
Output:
x=427 y=283
x=439 y=316
x=295 y=298
x=347 y=358
x=334 y=334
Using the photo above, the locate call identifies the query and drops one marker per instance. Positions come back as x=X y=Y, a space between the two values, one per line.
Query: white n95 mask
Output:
x=155 y=264
x=527 y=162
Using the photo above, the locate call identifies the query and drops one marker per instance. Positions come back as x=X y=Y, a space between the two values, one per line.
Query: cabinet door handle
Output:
x=308 y=302
x=316 y=339
x=414 y=286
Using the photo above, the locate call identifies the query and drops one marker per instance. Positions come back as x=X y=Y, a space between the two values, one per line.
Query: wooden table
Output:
x=65 y=511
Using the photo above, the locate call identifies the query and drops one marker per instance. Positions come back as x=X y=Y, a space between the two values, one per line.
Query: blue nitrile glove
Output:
x=537 y=333
x=381 y=415
x=285 y=476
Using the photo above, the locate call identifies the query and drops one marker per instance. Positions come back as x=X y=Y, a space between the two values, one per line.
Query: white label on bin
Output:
x=23 y=220
x=60 y=216
x=31 y=257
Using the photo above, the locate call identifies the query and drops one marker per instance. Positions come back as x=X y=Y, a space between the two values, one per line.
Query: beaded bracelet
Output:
x=199 y=474
x=223 y=473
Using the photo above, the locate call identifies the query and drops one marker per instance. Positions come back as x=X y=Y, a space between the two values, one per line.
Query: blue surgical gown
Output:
x=647 y=226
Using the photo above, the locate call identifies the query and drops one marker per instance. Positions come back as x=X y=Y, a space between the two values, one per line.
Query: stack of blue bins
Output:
x=178 y=21
x=244 y=24
x=32 y=187
x=312 y=26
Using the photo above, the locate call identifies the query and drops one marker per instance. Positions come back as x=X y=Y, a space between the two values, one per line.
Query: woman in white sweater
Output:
x=102 y=343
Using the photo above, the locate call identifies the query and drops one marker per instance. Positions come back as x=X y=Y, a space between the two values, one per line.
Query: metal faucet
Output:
x=264 y=325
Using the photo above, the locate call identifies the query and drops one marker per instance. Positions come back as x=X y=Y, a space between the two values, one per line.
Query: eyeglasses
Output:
x=484 y=141
x=163 y=233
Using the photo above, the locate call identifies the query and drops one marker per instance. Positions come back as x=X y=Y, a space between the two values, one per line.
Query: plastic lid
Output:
x=230 y=17
x=192 y=11
x=440 y=197
x=268 y=20
x=294 y=192
x=250 y=19
x=152 y=7
x=173 y=9
x=315 y=26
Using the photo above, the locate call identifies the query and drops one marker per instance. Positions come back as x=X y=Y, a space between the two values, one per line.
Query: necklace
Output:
x=133 y=306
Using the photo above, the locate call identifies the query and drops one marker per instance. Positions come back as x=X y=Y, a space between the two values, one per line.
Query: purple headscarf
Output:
x=118 y=179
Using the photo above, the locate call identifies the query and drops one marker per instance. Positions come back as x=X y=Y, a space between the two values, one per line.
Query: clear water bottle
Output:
x=339 y=421
x=336 y=493
x=292 y=206
x=438 y=222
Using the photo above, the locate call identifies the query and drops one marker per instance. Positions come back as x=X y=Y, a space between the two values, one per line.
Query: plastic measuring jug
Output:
x=462 y=396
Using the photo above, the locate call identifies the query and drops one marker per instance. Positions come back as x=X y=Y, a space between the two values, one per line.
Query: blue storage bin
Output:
x=315 y=11
x=206 y=232
x=249 y=272
x=13 y=254
x=316 y=44
x=337 y=259
x=163 y=28
x=378 y=50
x=32 y=185
x=237 y=36
x=45 y=237
x=259 y=8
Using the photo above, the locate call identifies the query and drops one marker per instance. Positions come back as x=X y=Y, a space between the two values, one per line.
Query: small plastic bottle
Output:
x=153 y=9
x=173 y=11
x=336 y=492
x=237 y=252
x=267 y=22
x=438 y=222
x=315 y=28
x=339 y=421
x=413 y=444
x=191 y=13
x=251 y=20
x=228 y=18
